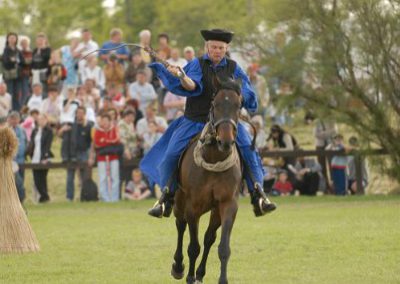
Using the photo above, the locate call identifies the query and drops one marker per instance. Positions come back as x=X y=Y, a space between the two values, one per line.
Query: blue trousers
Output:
x=181 y=138
x=339 y=181
x=81 y=157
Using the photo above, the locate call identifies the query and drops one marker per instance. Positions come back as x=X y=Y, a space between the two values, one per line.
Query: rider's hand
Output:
x=175 y=70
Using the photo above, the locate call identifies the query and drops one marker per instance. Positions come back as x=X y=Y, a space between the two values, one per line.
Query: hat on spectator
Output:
x=217 y=34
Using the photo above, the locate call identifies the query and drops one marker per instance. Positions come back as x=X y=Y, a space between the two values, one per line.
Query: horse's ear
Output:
x=216 y=81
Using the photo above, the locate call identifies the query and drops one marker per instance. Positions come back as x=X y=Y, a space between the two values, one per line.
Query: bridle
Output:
x=214 y=124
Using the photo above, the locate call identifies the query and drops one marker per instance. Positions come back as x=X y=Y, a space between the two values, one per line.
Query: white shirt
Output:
x=37 y=151
x=85 y=48
x=51 y=108
x=35 y=102
x=145 y=94
x=5 y=104
x=95 y=74
x=181 y=62
x=142 y=126
x=68 y=114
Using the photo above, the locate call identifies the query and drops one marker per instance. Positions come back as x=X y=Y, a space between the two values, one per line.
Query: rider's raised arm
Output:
x=174 y=84
x=249 y=96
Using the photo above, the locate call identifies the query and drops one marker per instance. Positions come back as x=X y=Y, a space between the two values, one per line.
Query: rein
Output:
x=220 y=166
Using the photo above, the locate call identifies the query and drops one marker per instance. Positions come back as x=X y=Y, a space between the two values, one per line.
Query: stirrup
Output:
x=157 y=210
x=262 y=205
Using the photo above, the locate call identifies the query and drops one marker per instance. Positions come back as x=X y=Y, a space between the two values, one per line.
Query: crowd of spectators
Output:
x=110 y=108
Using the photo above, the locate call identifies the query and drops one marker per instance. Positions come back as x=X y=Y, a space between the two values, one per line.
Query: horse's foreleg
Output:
x=194 y=247
x=209 y=239
x=228 y=212
x=178 y=267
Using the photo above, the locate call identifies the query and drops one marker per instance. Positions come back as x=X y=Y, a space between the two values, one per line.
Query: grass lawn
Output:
x=307 y=240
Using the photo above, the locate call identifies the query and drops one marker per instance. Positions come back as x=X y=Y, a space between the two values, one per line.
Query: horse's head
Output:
x=225 y=112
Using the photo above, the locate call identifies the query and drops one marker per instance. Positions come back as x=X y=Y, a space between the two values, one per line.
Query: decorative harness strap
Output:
x=220 y=166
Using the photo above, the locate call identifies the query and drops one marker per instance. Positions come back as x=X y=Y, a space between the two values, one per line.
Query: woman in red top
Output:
x=108 y=164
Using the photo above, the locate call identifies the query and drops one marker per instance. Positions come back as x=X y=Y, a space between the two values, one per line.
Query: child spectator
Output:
x=352 y=184
x=282 y=186
x=137 y=189
x=338 y=166
x=35 y=101
x=30 y=123
x=107 y=163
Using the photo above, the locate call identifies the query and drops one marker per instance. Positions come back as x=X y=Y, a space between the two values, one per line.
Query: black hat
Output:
x=217 y=34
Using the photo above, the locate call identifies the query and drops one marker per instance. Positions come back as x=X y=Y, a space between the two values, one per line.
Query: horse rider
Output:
x=194 y=82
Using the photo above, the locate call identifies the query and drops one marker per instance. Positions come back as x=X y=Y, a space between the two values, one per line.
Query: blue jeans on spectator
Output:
x=14 y=89
x=109 y=186
x=339 y=180
x=19 y=184
x=25 y=90
x=81 y=157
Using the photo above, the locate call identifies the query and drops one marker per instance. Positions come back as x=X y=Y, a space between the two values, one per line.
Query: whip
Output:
x=148 y=49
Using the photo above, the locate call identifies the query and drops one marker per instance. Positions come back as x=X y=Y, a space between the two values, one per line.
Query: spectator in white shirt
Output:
x=51 y=106
x=86 y=46
x=94 y=72
x=142 y=91
x=175 y=59
x=143 y=124
x=5 y=100
x=36 y=99
x=67 y=118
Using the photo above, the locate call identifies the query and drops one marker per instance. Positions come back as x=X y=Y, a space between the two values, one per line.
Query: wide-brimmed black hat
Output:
x=217 y=34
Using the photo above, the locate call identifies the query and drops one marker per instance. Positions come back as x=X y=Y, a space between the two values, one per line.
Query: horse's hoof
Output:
x=190 y=280
x=177 y=274
x=198 y=282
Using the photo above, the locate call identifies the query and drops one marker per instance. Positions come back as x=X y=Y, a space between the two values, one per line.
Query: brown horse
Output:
x=204 y=190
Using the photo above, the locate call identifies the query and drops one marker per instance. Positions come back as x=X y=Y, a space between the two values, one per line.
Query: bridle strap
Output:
x=223 y=120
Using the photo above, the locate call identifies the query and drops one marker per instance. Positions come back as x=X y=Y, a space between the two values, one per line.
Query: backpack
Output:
x=89 y=190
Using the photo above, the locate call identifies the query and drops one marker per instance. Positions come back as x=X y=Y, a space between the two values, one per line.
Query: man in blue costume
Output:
x=194 y=81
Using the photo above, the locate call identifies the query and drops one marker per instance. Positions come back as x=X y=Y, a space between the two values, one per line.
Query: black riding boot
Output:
x=261 y=203
x=163 y=207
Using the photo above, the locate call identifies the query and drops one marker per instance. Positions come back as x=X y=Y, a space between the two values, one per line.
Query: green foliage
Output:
x=342 y=57
x=55 y=18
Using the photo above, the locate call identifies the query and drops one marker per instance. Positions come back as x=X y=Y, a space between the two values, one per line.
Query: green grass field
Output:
x=307 y=240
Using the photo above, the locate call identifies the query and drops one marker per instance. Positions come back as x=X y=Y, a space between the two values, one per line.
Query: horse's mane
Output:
x=229 y=84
